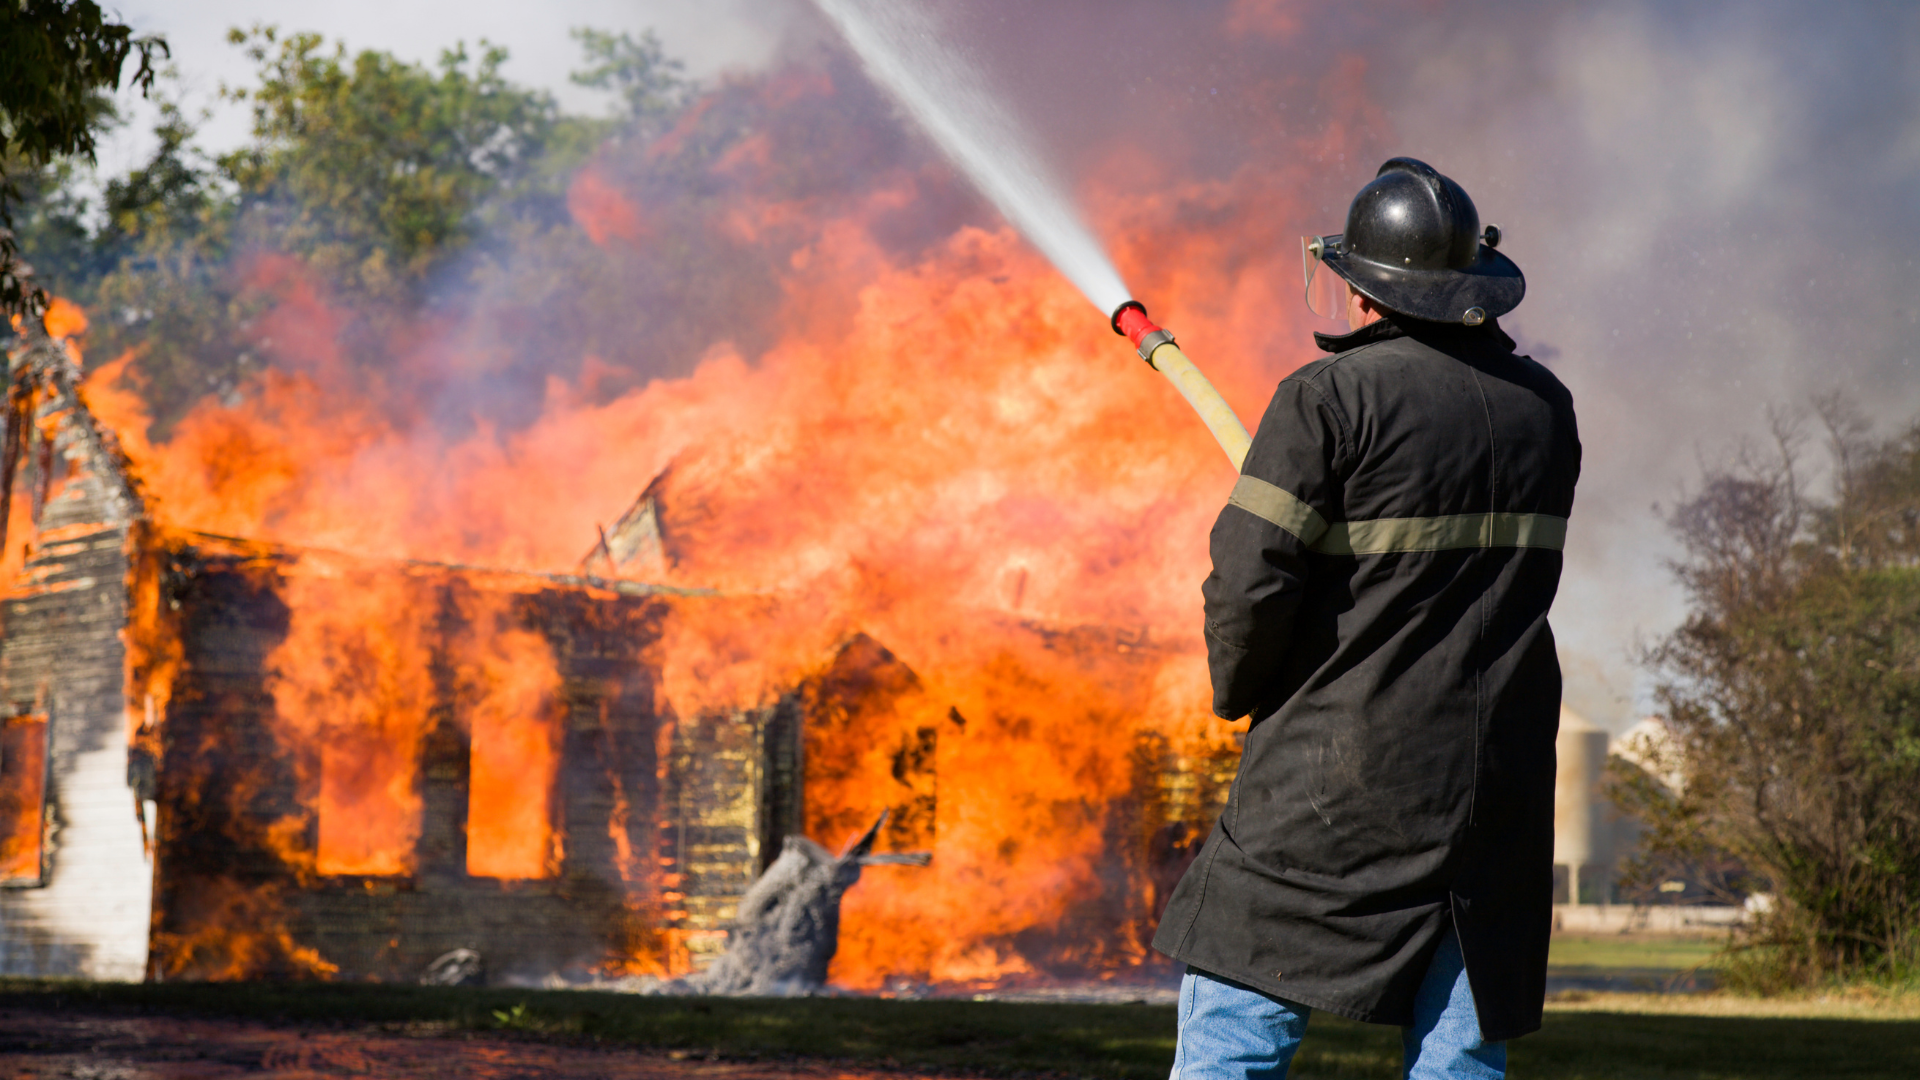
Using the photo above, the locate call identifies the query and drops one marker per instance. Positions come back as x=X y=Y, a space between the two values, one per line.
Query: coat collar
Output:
x=1378 y=330
x=1437 y=334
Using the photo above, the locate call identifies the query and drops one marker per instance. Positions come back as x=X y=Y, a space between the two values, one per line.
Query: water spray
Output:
x=903 y=50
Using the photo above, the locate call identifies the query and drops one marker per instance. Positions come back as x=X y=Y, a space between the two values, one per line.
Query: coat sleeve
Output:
x=1289 y=487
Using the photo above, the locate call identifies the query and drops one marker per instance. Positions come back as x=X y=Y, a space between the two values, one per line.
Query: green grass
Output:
x=1634 y=952
x=1125 y=1042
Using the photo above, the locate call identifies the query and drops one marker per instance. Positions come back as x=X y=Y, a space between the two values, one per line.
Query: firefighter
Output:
x=1378 y=605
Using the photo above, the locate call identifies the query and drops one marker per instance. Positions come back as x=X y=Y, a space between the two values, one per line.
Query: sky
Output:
x=1716 y=203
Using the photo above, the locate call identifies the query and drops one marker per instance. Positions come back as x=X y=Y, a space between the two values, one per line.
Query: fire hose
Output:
x=1157 y=347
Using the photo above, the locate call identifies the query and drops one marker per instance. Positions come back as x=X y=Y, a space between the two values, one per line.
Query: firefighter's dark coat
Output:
x=1379 y=604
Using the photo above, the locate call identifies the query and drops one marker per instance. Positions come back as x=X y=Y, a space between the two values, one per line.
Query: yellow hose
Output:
x=1214 y=411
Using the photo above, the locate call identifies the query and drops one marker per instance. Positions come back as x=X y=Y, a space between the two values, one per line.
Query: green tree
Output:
x=157 y=274
x=1792 y=691
x=650 y=85
x=58 y=58
x=171 y=195
x=52 y=220
x=374 y=170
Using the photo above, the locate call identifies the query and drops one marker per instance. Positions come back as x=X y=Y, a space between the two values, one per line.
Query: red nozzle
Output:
x=1131 y=322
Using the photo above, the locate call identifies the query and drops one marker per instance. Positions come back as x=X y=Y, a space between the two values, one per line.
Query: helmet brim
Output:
x=1492 y=283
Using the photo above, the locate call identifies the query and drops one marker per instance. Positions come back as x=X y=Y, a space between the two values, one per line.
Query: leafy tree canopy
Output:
x=375 y=169
x=57 y=58
x=648 y=82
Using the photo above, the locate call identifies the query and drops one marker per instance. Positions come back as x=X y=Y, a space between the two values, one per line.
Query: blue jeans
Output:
x=1232 y=1032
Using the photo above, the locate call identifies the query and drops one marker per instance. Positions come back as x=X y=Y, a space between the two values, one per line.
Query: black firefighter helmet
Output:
x=1413 y=245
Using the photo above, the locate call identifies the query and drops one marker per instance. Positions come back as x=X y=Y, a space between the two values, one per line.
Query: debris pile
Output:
x=788 y=927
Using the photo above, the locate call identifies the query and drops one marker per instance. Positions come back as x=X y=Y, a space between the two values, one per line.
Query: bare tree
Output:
x=1792 y=691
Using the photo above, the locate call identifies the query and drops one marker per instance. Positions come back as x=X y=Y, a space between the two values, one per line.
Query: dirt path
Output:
x=37 y=1045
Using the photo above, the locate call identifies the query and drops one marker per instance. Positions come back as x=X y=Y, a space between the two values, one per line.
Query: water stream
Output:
x=904 y=51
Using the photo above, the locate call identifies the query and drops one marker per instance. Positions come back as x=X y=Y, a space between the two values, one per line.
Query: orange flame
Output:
x=601 y=209
x=353 y=679
x=23 y=765
x=508 y=691
x=239 y=931
x=64 y=319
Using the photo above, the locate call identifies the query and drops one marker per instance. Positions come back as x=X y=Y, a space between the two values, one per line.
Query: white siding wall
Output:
x=62 y=653
x=91 y=918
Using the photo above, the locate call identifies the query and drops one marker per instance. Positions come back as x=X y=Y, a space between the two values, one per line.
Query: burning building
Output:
x=916 y=535
x=182 y=803
x=228 y=758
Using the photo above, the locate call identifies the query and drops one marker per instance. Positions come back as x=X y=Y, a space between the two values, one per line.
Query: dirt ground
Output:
x=45 y=1045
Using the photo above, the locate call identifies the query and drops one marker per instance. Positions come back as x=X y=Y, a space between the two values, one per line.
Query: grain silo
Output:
x=1582 y=841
